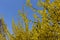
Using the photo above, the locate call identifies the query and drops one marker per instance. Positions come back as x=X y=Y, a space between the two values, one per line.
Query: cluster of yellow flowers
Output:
x=47 y=29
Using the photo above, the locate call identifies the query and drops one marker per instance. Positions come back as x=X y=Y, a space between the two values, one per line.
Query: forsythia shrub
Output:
x=46 y=29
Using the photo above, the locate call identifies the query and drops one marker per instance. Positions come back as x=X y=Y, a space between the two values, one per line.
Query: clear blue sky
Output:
x=9 y=9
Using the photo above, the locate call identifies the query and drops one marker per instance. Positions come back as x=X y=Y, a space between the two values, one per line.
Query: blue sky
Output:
x=9 y=9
